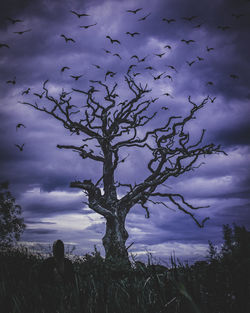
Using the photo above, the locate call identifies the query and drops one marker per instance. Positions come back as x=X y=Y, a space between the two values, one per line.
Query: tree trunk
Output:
x=115 y=239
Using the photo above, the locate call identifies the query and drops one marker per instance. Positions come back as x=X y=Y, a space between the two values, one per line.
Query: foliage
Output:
x=11 y=223
x=215 y=285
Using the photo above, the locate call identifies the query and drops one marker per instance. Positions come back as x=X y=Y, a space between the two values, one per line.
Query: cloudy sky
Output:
x=215 y=64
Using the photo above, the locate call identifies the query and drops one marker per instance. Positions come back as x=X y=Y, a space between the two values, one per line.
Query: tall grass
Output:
x=100 y=286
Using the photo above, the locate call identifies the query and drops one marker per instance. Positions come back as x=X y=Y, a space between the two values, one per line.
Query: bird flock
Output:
x=194 y=21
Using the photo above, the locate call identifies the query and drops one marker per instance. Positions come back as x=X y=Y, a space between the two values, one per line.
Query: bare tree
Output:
x=113 y=125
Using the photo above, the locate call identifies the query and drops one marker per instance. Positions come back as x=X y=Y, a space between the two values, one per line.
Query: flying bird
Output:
x=113 y=40
x=209 y=49
x=20 y=125
x=210 y=83
x=118 y=55
x=132 y=34
x=67 y=38
x=20 y=147
x=155 y=99
x=136 y=74
x=79 y=14
x=164 y=108
x=134 y=11
x=158 y=77
x=168 y=20
x=22 y=31
x=168 y=47
x=87 y=26
x=172 y=67
x=130 y=68
x=76 y=77
x=135 y=57
x=2 y=45
x=26 y=92
x=169 y=77
x=167 y=94
x=13 y=82
x=200 y=59
x=160 y=55
x=14 y=21
x=40 y=95
x=144 y=17
x=109 y=73
x=143 y=59
x=189 y=19
x=97 y=66
x=187 y=41
x=107 y=51
x=234 y=76
x=149 y=68
x=212 y=100
x=64 y=68
x=190 y=63
x=198 y=25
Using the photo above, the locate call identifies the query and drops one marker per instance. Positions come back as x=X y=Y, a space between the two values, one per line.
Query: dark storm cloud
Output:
x=41 y=231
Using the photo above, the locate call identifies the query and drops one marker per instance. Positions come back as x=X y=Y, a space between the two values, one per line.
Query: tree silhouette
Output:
x=111 y=125
x=11 y=224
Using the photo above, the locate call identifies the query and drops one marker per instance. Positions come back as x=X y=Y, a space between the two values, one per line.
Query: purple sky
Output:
x=40 y=175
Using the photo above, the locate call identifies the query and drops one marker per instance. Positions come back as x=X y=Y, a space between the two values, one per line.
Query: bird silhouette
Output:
x=67 y=38
x=198 y=25
x=142 y=59
x=14 y=21
x=132 y=34
x=87 y=26
x=76 y=77
x=22 y=31
x=149 y=68
x=167 y=94
x=144 y=17
x=64 y=68
x=107 y=51
x=160 y=55
x=113 y=40
x=234 y=76
x=40 y=95
x=154 y=99
x=171 y=20
x=20 y=125
x=109 y=73
x=134 y=11
x=158 y=76
x=118 y=55
x=20 y=147
x=2 y=45
x=164 y=108
x=200 y=59
x=13 y=82
x=168 y=47
x=190 y=63
x=212 y=99
x=97 y=66
x=26 y=92
x=187 y=41
x=223 y=27
x=136 y=74
x=79 y=14
x=190 y=18
x=210 y=83
x=172 y=67
x=130 y=68
x=209 y=49
x=169 y=77
x=135 y=57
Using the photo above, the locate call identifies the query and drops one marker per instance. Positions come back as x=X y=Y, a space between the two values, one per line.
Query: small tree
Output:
x=113 y=125
x=11 y=224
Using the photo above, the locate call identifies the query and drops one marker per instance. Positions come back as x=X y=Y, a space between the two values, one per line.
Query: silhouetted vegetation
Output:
x=11 y=223
x=220 y=284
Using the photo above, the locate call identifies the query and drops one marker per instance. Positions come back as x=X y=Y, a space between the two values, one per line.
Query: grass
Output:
x=219 y=285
